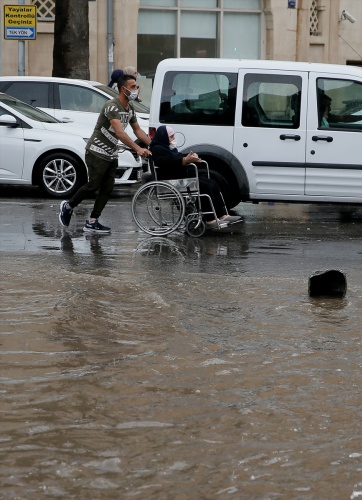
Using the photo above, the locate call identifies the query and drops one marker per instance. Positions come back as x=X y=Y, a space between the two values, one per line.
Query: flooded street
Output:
x=179 y=368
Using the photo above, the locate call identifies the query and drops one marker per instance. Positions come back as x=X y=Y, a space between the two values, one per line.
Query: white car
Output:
x=37 y=149
x=78 y=102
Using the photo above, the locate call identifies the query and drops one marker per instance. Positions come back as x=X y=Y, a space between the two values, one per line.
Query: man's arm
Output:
x=140 y=134
x=124 y=137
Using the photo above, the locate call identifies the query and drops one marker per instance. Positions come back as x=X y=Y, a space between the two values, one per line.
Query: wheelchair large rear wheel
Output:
x=158 y=208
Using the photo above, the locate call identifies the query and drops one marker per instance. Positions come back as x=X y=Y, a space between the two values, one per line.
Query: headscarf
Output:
x=117 y=73
x=170 y=130
x=130 y=70
x=162 y=140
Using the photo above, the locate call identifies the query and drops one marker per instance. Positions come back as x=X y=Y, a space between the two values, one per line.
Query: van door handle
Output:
x=283 y=137
x=327 y=138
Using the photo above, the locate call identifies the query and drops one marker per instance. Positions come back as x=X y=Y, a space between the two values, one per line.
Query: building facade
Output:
x=143 y=32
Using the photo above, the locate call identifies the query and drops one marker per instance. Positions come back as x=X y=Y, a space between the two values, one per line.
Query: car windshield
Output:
x=138 y=106
x=26 y=110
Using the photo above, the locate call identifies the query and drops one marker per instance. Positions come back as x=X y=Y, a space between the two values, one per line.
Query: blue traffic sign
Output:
x=20 y=33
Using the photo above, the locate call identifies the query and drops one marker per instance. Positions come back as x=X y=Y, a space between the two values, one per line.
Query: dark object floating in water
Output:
x=330 y=283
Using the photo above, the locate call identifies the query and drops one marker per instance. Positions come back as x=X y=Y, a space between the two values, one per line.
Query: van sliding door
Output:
x=270 y=132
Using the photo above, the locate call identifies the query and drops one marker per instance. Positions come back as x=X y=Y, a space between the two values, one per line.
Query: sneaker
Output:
x=65 y=213
x=95 y=227
x=231 y=218
x=217 y=224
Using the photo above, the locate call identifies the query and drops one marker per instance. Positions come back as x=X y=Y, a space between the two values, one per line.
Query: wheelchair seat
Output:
x=185 y=185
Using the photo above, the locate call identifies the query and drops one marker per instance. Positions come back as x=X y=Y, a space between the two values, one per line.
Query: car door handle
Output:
x=327 y=138
x=283 y=137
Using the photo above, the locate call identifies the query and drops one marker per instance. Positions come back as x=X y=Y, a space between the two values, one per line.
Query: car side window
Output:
x=76 y=98
x=198 y=98
x=339 y=104
x=34 y=93
x=3 y=86
x=271 y=101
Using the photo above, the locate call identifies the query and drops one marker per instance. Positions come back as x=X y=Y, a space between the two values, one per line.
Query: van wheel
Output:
x=60 y=175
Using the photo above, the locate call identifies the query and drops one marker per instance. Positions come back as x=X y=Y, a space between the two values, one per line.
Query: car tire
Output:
x=61 y=175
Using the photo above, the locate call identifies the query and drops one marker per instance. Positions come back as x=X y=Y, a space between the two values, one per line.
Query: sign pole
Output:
x=21 y=51
x=110 y=37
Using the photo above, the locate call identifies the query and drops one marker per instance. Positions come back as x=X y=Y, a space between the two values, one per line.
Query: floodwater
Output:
x=179 y=368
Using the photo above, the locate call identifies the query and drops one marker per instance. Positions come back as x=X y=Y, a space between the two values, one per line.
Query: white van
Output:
x=270 y=130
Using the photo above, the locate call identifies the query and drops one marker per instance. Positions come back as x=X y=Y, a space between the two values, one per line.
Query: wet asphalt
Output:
x=177 y=367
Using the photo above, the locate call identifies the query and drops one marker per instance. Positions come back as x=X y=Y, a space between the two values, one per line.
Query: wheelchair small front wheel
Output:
x=195 y=227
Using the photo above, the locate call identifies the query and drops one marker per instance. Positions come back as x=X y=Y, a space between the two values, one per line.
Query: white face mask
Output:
x=173 y=144
x=132 y=95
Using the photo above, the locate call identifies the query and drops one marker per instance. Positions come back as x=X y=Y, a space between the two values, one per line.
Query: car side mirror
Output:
x=8 y=121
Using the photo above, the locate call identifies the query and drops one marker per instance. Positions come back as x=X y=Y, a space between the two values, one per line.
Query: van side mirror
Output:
x=8 y=121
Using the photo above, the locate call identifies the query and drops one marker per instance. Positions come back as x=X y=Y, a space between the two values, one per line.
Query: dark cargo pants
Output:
x=101 y=175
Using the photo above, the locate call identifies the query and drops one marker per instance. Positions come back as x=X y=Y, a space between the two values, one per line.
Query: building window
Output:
x=314 y=19
x=45 y=9
x=197 y=28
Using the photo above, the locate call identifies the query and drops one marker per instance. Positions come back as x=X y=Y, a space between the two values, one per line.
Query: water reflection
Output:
x=87 y=253
x=95 y=243
x=66 y=243
x=162 y=246
x=47 y=230
x=204 y=249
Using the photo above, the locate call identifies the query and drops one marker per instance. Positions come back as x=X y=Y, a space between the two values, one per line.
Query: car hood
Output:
x=143 y=116
x=69 y=128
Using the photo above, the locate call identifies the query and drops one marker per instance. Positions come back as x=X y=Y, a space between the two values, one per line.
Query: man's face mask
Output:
x=133 y=94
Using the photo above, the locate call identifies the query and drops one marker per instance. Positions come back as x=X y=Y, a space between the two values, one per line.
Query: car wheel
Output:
x=60 y=175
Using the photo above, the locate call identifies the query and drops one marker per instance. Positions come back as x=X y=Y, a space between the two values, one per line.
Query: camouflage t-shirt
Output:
x=104 y=142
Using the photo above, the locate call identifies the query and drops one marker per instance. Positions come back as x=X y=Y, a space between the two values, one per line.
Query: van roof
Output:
x=257 y=64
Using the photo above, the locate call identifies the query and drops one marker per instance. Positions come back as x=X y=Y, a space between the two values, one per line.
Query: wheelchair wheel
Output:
x=158 y=208
x=195 y=227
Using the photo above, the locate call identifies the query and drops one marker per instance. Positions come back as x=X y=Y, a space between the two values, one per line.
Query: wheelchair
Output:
x=160 y=207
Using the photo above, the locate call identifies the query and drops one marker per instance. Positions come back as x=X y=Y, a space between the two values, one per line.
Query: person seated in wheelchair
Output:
x=175 y=165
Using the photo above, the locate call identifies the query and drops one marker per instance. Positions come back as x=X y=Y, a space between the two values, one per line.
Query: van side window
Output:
x=339 y=104
x=271 y=101
x=198 y=98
